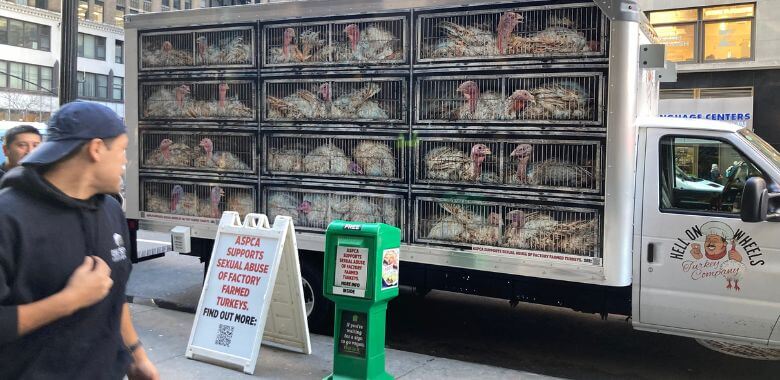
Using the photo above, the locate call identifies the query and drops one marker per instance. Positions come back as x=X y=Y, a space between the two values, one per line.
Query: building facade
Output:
x=728 y=61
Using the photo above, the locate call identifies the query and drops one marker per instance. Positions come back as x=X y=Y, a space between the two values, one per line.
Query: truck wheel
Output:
x=318 y=309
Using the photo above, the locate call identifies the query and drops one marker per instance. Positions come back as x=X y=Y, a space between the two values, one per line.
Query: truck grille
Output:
x=377 y=41
x=337 y=157
x=532 y=164
x=230 y=152
x=210 y=100
x=350 y=100
x=163 y=197
x=203 y=48
x=502 y=98
x=457 y=222
x=565 y=31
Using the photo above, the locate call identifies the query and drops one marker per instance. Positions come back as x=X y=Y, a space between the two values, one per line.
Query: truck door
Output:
x=703 y=271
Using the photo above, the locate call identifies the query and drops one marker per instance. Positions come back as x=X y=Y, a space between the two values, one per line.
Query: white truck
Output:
x=514 y=143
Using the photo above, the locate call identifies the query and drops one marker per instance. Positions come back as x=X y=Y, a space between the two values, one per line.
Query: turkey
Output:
x=241 y=202
x=357 y=209
x=226 y=51
x=375 y=158
x=488 y=233
x=531 y=231
x=280 y=203
x=558 y=37
x=565 y=101
x=183 y=203
x=448 y=228
x=460 y=225
x=733 y=268
x=302 y=104
x=313 y=47
x=550 y=172
x=356 y=104
x=314 y=211
x=450 y=164
x=329 y=159
x=218 y=160
x=165 y=55
x=209 y=208
x=370 y=44
x=167 y=102
x=170 y=154
x=471 y=41
x=288 y=52
x=283 y=159
x=490 y=105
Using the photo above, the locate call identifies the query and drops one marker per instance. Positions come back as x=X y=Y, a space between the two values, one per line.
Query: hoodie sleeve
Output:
x=9 y=313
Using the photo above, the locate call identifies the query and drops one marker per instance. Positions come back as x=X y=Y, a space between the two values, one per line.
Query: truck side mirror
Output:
x=755 y=201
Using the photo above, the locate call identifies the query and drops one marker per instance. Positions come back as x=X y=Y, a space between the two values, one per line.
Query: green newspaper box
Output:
x=361 y=277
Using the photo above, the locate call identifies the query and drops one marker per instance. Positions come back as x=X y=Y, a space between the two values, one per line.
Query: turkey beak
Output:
x=487 y=151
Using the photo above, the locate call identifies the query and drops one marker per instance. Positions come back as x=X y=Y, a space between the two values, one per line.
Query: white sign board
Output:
x=253 y=291
x=732 y=110
x=351 y=271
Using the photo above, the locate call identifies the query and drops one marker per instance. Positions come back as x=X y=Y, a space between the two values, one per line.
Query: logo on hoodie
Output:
x=119 y=253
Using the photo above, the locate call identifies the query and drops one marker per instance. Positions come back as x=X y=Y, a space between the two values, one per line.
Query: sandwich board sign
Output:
x=252 y=294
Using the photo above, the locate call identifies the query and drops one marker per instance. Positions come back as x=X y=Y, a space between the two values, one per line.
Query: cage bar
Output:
x=501 y=98
x=313 y=210
x=555 y=31
x=211 y=100
x=457 y=223
x=166 y=50
x=366 y=99
x=196 y=199
x=375 y=158
x=531 y=164
x=217 y=152
x=354 y=41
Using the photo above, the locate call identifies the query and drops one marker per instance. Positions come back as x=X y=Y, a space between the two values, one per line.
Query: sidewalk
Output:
x=165 y=334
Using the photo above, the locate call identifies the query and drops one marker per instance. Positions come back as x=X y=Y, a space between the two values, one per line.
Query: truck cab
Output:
x=706 y=245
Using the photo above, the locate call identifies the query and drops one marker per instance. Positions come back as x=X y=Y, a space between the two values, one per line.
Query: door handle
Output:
x=650 y=253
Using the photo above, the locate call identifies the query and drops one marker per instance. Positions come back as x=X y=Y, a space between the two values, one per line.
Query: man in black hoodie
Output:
x=18 y=142
x=63 y=262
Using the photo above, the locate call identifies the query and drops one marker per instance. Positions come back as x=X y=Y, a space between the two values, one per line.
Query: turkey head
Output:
x=516 y=219
x=215 y=197
x=517 y=102
x=208 y=147
x=470 y=91
x=176 y=196
x=287 y=39
x=202 y=46
x=223 y=87
x=523 y=154
x=353 y=34
x=165 y=148
x=478 y=154
x=506 y=24
x=180 y=93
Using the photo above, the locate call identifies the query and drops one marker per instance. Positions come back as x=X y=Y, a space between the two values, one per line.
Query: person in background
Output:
x=63 y=262
x=19 y=141
x=715 y=173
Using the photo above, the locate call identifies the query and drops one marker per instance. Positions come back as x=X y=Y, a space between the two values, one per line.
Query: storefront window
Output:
x=706 y=34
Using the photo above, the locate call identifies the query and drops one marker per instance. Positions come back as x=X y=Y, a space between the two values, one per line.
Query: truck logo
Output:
x=713 y=250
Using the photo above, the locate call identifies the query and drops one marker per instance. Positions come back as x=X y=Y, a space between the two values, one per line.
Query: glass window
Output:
x=176 y=4
x=89 y=46
x=118 y=52
x=89 y=85
x=118 y=88
x=767 y=150
x=16 y=72
x=81 y=45
x=31 y=36
x=702 y=175
x=31 y=77
x=147 y=5
x=81 y=76
x=97 y=12
x=187 y=4
x=83 y=10
x=44 y=37
x=676 y=15
x=680 y=41
x=100 y=46
x=3 y=30
x=727 y=40
x=729 y=11
x=46 y=79
x=3 y=74
x=102 y=86
x=15 y=32
x=119 y=17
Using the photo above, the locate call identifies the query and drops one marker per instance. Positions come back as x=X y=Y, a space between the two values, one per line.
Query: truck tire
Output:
x=318 y=308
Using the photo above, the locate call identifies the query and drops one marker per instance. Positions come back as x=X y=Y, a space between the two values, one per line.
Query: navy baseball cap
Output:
x=71 y=126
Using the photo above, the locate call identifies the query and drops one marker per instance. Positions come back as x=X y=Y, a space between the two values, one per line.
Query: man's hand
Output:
x=90 y=282
x=142 y=368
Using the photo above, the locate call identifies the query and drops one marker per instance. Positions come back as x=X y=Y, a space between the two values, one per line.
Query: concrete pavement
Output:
x=165 y=334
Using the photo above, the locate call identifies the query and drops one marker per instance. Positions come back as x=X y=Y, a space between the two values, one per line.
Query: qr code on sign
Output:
x=224 y=335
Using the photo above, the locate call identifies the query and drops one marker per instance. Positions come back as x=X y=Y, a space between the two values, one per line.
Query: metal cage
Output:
x=200 y=151
x=195 y=199
x=314 y=209
x=361 y=41
x=560 y=98
x=461 y=223
x=366 y=99
x=219 y=48
x=552 y=31
x=210 y=100
x=530 y=164
x=342 y=156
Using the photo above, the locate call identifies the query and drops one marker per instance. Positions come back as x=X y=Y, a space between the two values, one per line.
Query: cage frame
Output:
x=197 y=134
x=193 y=182
x=253 y=94
x=193 y=48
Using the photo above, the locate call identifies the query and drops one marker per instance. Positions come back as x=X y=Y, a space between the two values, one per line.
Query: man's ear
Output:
x=94 y=149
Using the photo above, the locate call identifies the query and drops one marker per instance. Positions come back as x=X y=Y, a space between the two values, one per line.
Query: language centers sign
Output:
x=732 y=110
x=247 y=261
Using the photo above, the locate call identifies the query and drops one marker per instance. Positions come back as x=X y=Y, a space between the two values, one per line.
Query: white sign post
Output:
x=253 y=292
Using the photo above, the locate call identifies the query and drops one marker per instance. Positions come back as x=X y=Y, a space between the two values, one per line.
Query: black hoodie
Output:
x=44 y=236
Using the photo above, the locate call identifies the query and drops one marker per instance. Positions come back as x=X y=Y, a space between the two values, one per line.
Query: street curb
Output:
x=162 y=304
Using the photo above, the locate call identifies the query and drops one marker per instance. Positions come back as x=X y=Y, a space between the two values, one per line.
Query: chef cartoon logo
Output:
x=714 y=251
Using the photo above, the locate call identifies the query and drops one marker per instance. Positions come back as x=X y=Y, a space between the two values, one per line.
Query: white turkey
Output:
x=209 y=208
x=558 y=37
x=529 y=230
x=329 y=159
x=170 y=154
x=281 y=203
x=286 y=160
x=182 y=203
x=490 y=105
x=370 y=44
x=375 y=158
x=314 y=210
x=563 y=101
x=359 y=209
x=472 y=41
x=241 y=202
x=302 y=104
x=450 y=164
x=550 y=172
x=218 y=160
x=355 y=104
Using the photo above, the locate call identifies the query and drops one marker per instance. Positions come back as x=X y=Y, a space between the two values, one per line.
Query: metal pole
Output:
x=69 y=54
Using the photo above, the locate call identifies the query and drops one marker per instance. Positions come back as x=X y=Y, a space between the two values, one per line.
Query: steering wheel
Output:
x=730 y=180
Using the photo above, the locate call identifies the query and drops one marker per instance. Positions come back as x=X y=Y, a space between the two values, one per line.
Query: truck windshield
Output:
x=763 y=146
